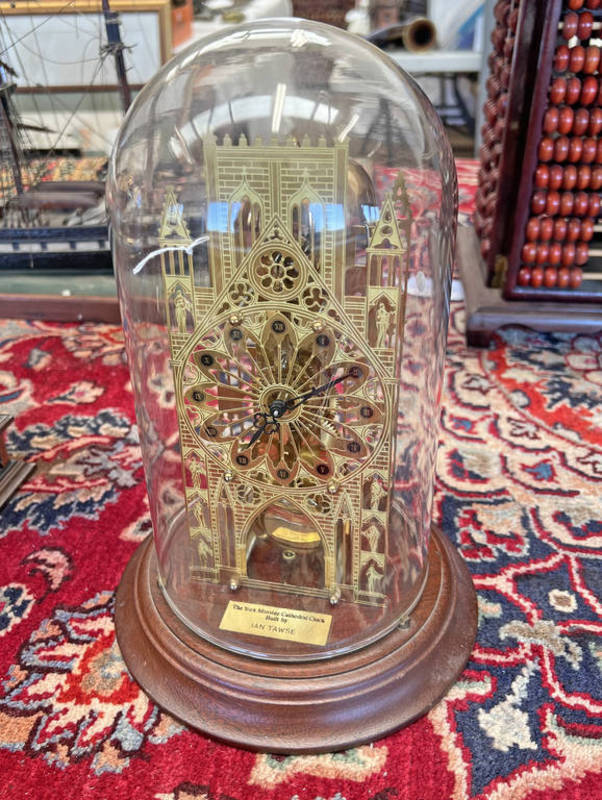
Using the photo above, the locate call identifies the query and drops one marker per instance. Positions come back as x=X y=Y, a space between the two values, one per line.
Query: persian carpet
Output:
x=519 y=492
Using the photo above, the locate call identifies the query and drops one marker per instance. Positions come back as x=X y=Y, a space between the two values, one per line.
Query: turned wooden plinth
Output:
x=302 y=707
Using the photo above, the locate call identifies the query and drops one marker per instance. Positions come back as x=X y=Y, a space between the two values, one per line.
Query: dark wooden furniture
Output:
x=539 y=199
x=310 y=706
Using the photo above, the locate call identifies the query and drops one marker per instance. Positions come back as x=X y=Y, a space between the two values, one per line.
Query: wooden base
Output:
x=302 y=707
x=486 y=310
x=12 y=473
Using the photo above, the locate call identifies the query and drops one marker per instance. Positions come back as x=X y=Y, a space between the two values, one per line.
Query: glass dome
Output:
x=283 y=204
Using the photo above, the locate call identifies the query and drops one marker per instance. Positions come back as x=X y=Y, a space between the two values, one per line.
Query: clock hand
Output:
x=268 y=422
x=292 y=404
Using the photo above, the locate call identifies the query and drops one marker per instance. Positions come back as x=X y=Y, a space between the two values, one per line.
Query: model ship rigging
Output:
x=42 y=221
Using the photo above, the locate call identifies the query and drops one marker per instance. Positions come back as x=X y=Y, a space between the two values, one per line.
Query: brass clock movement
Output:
x=283 y=254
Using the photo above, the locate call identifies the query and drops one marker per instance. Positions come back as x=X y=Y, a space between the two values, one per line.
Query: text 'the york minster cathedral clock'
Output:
x=283 y=204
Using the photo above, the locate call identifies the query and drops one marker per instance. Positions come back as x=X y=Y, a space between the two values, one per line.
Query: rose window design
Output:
x=278 y=273
x=283 y=401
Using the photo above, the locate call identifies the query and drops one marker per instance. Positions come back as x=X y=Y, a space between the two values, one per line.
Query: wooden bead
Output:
x=550 y=277
x=543 y=251
x=564 y=123
x=560 y=227
x=567 y=200
x=592 y=59
x=493 y=86
x=584 y=175
x=552 y=203
x=576 y=58
x=593 y=4
x=490 y=110
x=508 y=49
x=589 y=90
x=561 y=63
x=580 y=204
x=599 y=152
x=587 y=230
x=524 y=276
x=575 y=149
x=595 y=122
x=573 y=90
x=529 y=252
x=546 y=229
x=485 y=247
x=584 y=25
x=570 y=23
x=561 y=148
x=575 y=5
x=596 y=179
x=550 y=120
x=594 y=205
x=556 y=176
x=562 y=281
x=513 y=19
x=588 y=151
x=573 y=230
x=546 y=149
x=542 y=176
x=568 y=255
x=555 y=254
x=569 y=179
x=532 y=229
x=580 y=121
x=575 y=277
x=558 y=90
x=502 y=104
x=536 y=277
x=498 y=37
x=581 y=253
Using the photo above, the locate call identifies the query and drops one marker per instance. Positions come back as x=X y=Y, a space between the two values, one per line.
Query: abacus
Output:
x=540 y=177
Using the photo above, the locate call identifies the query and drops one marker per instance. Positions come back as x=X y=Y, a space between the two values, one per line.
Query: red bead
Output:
x=565 y=120
x=485 y=247
x=587 y=230
x=524 y=276
x=552 y=203
x=580 y=204
x=599 y=152
x=536 y=277
x=532 y=230
x=581 y=121
x=575 y=5
x=556 y=176
x=542 y=176
x=576 y=58
x=546 y=149
x=595 y=122
x=575 y=149
x=562 y=281
x=529 y=252
x=575 y=277
x=593 y=4
x=581 y=253
x=546 y=229
x=573 y=90
x=558 y=90
x=561 y=148
x=543 y=251
x=502 y=104
x=573 y=230
x=555 y=253
x=570 y=24
x=566 y=204
x=569 y=179
x=596 y=179
x=538 y=202
x=559 y=229
x=561 y=62
x=568 y=255
x=584 y=175
x=588 y=151
x=584 y=26
x=589 y=90
x=592 y=59
x=594 y=205
x=550 y=276
x=550 y=120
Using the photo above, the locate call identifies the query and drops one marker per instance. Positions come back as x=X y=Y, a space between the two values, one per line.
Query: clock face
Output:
x=286 y=399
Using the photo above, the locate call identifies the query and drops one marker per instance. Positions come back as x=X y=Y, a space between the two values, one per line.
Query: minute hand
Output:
x=314 y=392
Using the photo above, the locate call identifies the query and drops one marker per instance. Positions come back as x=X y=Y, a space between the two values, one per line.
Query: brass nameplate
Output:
x=291 y=624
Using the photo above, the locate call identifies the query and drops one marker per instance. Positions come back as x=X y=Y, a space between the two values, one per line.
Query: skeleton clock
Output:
x=283 y=202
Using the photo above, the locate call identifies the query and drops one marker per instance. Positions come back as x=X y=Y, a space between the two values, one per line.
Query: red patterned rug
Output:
x=519 y=493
